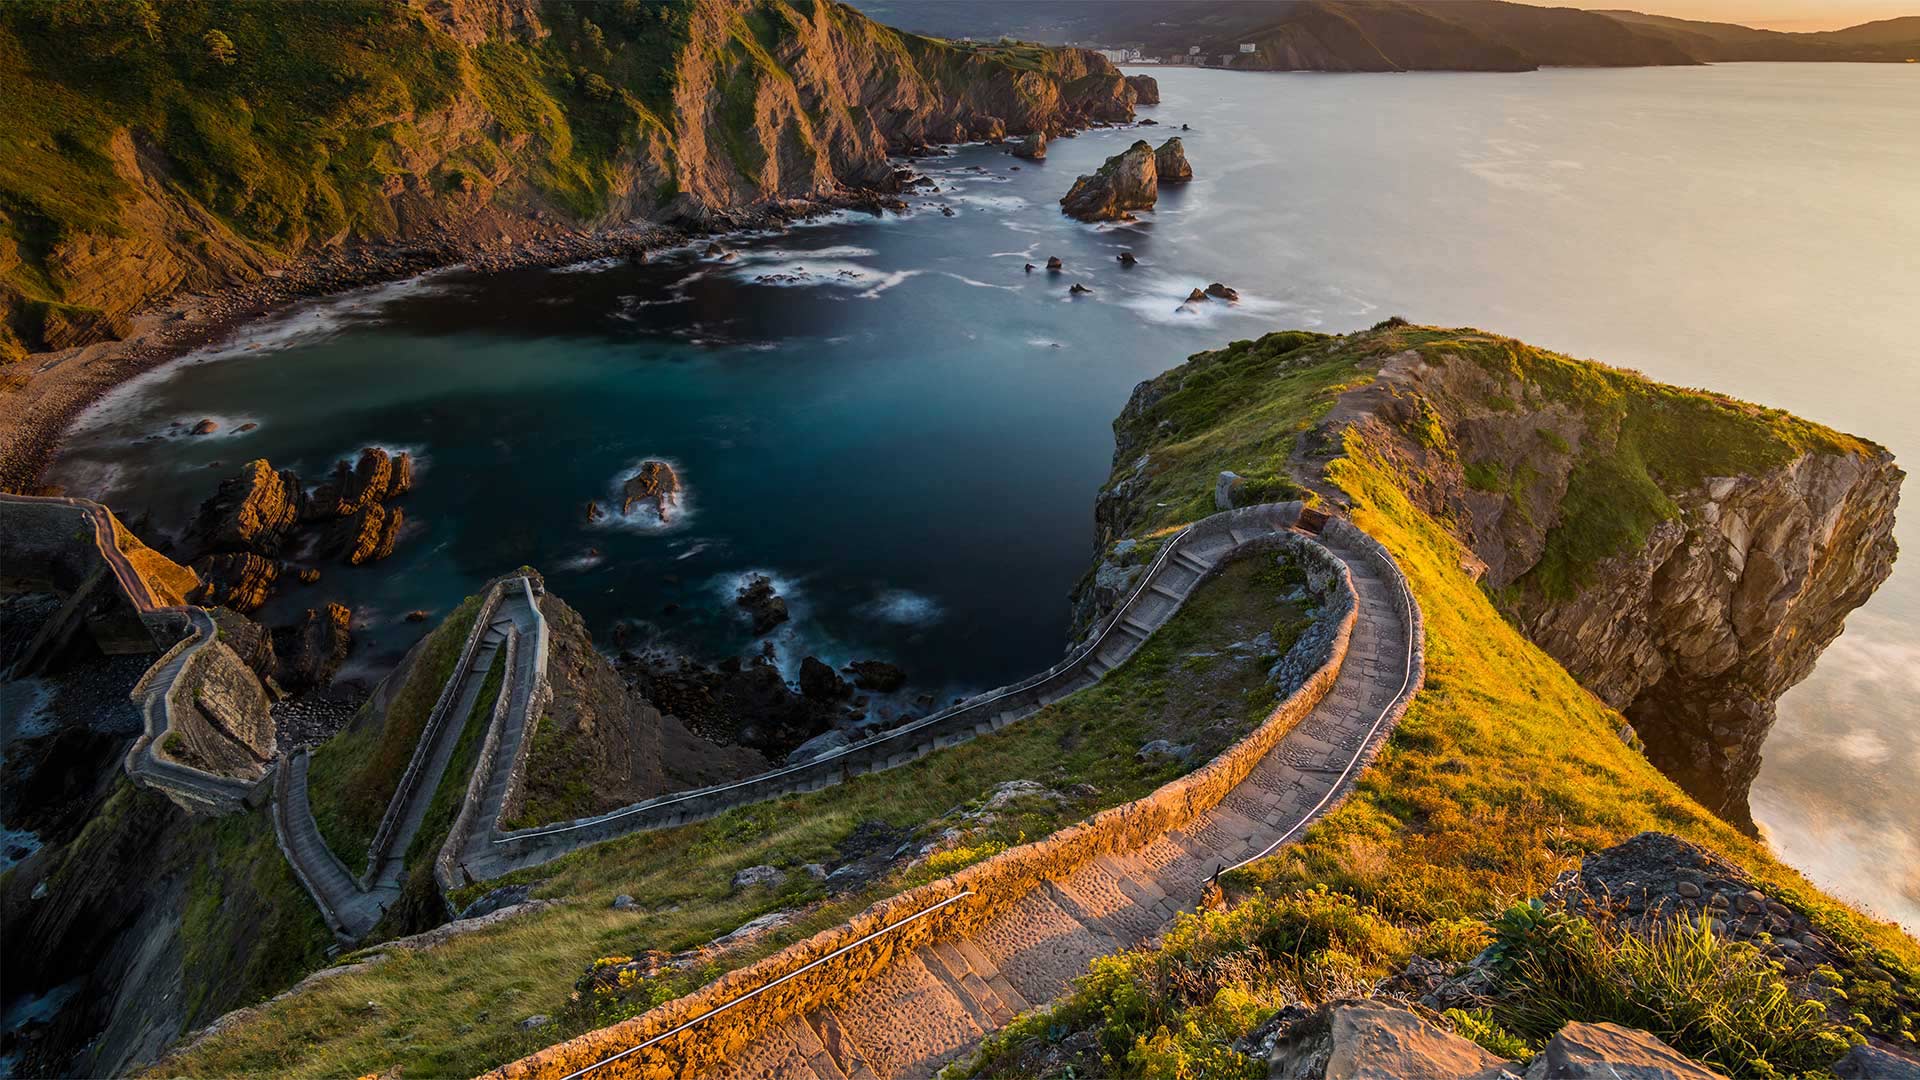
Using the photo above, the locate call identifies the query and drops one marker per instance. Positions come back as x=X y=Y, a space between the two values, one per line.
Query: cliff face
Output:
x=146 y=155
x=1687 y=557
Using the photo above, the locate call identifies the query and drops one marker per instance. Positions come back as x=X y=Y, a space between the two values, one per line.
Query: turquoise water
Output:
x=909 y=437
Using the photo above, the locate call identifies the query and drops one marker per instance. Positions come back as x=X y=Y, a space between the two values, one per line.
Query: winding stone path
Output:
x=937 y=1002
x=870 y=1009
x=353 y=906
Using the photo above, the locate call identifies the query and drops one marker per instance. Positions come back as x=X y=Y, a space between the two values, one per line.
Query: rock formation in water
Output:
x=763 y=606
x=1128 y=181
x=1145 y=90
x=309 y=652
x=682 y=112
x=1033 y=147
x=1170 y=162
x=655 y=482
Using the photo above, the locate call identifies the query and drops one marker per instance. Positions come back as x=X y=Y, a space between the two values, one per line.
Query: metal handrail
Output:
x=794 y=974
x=1406 y=598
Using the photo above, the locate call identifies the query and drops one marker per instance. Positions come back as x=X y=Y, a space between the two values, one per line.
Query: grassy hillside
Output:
x=147 y=147
x=1502 y=775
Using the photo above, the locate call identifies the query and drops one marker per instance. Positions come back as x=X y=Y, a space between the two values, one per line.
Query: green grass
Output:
x=454 y=1009
x=352 y=776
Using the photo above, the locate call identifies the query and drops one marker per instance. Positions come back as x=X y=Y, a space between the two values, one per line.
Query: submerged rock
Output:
x=1078 y=289
x=1054 y=264
x=1129 y=181
x=1126 y=258
x=877 y=675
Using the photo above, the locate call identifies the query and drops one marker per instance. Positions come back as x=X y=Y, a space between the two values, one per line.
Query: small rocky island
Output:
x=1129 y=181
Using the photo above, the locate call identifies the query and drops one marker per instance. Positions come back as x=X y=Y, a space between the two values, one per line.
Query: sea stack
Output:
x=1129 y=181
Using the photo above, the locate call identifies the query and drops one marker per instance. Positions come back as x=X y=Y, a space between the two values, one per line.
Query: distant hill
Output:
x=1394 y=35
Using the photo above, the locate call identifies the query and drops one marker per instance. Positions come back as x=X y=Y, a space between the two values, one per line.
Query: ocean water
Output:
x=905 y=429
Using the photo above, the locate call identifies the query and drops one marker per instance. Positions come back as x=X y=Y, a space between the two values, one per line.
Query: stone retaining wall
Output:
x=994 y=885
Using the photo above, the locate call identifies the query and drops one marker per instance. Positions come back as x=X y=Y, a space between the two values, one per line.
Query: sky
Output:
x=1799 y=15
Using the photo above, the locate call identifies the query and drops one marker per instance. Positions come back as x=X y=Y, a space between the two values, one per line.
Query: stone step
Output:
x=841 y=1050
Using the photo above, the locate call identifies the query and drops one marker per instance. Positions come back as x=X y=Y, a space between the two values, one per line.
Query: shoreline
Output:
x=60 y=386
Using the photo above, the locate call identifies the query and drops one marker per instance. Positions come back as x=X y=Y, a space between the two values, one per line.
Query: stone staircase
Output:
x=902 y=1001
x=353 y=906
x=938 y=1001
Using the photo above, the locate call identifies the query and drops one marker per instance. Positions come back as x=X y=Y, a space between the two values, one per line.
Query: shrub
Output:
x=220 y=48
x=1711 y=998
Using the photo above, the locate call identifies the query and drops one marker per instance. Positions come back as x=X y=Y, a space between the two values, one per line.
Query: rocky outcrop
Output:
x=1128 y=181
x=309 y=652
x=1145 y=90
x=820 y=682
x=1032 y=148
x=239 y=580
x=366 y=535
x=762 y=605
x=374 y=478
x=1171 y=162
x=1694 y=629
x=726 y=104
x=253 y=510
x=1380 y=1039
x=655 y=482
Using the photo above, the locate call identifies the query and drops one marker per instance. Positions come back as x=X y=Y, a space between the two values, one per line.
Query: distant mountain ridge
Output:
x=1396 y=35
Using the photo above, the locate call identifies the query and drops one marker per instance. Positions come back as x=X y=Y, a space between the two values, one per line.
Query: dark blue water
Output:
x=913 y=451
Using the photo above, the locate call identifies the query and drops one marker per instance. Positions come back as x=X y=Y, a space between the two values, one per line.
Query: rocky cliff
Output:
x=1685 y=555
x=152 y=149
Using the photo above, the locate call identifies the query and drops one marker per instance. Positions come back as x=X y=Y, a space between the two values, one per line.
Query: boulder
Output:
x=1161 y=752
x=877 y=675
x=313 y=649
x=493 y=900
x=756 y=876
x=1371 y=1040
x=1033 y=147
x=1611 y=1052
x=1873 y=1063
x=1129 y=181
x=535 y=1022
x=1226 y=489
x=1078 y=289
x=820 y=746
x=206 y=427
x=763 y=606
x=1221 y=292
x=1171 y=162
x=1126 y=258
x=375 y=477
x=655 y=482
x=1054 y=264
x=594 y=512
x=366 y=535
x=623 y=902
x=252 y=510
x=1197 y=296
x=1145 y=90
x=235 y=579
x=820 y=682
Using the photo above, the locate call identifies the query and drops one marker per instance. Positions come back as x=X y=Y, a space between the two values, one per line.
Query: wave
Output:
x=903 y=607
